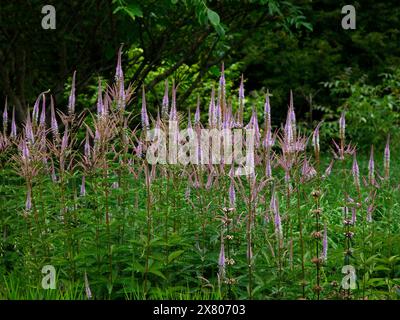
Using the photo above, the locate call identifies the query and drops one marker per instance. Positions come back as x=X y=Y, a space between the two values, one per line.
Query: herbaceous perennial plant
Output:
x=78 y=193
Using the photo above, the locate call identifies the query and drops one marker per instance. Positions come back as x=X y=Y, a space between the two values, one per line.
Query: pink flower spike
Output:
x=42 y=120
x=145 y=117
x=386 y=157
x=165 y=102
x=13 y=125
x=71 y=98
x=371 y=168
x=5 y=117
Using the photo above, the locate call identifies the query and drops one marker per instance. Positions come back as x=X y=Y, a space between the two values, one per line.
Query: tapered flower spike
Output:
x=42 y=120
x=5 y=117
x=145 y=117
x=371 y=167
x=342 y=126
x=212 y=110
x=267 y=112
x=221 y=96
x=222 y=77
x=173 y=113
x=274 y=207
x=292 y=114
x=268 y=170
x=87 y=287
x=24 y=150
x=241 y=103
x=87 y=145
x=29 y=130
x=35 y=111
x=71 y=98
x=241 y=89
x=100 y=105
x=64 y=140
x=197 y=114
x=328 y=170
x=324 y=255
x=54 y=124
x=119 y=75
x=288 y=132
x=218 y=115
x=386 y=157
x=356 y=172
x=165 y=102
x=13 y=133
x=315 y=139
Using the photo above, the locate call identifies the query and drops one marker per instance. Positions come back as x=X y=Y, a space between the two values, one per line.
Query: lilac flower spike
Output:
x=241 y=89
x=87 y=287
x=212 y=110
x=268 y=170
x=87 y=145
x=100 y=105
x=386 y=157
x=13 y=125
x=119 y=75
x=274 y=207
x=197 y=114
x=328 y=170
x=222 y=77
x=35 y=111
x=315 y=139
x=173 y=113
x=371 y=167
x=71 y=99
x=218 y=115
x=165 y=102
x=267 y=112
x=5 y=117
x=292 y=114
x=342 y=126
x=28 y=130
x=54 y=124
x=24 y=150
x=42 y=120
x=145 y=117
x=356 y=172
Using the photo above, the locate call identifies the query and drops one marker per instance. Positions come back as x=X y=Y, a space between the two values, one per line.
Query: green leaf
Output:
x=220 y=30
x=213 y=17
x=133 y=10
x=172 y=256
x=157 y=273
